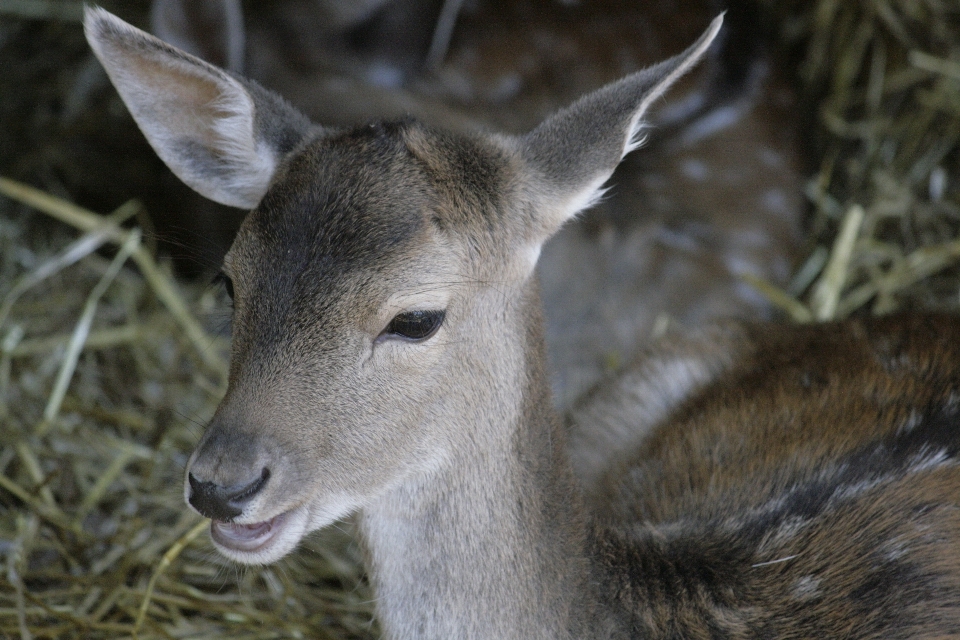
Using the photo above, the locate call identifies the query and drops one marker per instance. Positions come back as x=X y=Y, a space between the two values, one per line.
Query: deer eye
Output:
x=414 y=325
x=223 y=279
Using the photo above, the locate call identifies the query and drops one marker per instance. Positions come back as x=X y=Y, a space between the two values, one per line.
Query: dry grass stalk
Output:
x=885 y=76
x=94 y=539
x=103 y=389
x=161 y=284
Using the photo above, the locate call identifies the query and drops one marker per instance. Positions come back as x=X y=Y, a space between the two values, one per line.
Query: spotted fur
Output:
x=811 y=490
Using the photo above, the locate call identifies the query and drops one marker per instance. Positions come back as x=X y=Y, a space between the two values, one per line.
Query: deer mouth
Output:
x=259 y=543
x=246 y=538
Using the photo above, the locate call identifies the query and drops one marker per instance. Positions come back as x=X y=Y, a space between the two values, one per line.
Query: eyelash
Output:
x=415 y=326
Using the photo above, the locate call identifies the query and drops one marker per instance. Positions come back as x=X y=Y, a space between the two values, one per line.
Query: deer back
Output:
x=782 y=481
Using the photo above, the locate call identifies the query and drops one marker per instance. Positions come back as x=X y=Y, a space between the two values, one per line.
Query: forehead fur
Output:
x=357 y=198
x=473 y=179
x=341 y=201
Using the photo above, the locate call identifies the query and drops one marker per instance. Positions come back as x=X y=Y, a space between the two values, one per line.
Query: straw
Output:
x=116 y=399
x=164 y=288
x=109 y=372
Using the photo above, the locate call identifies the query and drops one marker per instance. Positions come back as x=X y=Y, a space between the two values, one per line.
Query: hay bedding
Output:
x=95 y=540
x=109 y=367
x=883 y=81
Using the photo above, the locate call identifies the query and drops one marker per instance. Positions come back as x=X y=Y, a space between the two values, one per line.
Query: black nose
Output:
x=224 y=503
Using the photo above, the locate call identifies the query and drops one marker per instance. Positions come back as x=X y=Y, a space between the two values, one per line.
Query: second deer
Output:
x=387 y=360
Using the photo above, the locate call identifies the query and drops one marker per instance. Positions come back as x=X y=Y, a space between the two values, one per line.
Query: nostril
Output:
x=252 y=489
x=224 y=503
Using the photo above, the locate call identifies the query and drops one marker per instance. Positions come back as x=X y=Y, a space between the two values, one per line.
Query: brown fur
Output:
x=747 y=482
x=811 y=490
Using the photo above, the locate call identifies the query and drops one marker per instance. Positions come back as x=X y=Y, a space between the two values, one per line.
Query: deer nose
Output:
x=224 y=503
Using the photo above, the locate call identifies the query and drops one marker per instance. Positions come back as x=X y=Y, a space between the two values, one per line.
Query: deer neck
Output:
x=490 y=543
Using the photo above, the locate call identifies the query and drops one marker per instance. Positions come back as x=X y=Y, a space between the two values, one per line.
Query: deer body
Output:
x=387 y=360
x=806 y=486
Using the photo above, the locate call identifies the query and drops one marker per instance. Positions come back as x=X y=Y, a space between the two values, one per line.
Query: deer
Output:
x=719 y=180
x=387 y=363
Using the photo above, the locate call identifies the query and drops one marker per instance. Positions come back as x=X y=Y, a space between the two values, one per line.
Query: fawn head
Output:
x=381 y=282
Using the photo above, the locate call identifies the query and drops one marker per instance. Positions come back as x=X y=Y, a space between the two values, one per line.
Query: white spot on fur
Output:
x=695 y=169
x=787 y=530
x=714 y=122
x=929 y=460
x=676 y=380
x=853 y=490
x=806 y=588
x=911 y=423
x=893 y=550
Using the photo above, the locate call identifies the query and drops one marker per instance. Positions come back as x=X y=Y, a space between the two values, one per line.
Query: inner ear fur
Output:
x=223 y=136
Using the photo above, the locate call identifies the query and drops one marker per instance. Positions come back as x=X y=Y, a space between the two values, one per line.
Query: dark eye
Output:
x=415 y=325
x=223 y=279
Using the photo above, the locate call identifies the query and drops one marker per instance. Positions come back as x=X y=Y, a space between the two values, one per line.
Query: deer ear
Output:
x=221 y=135
x=572 y=153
